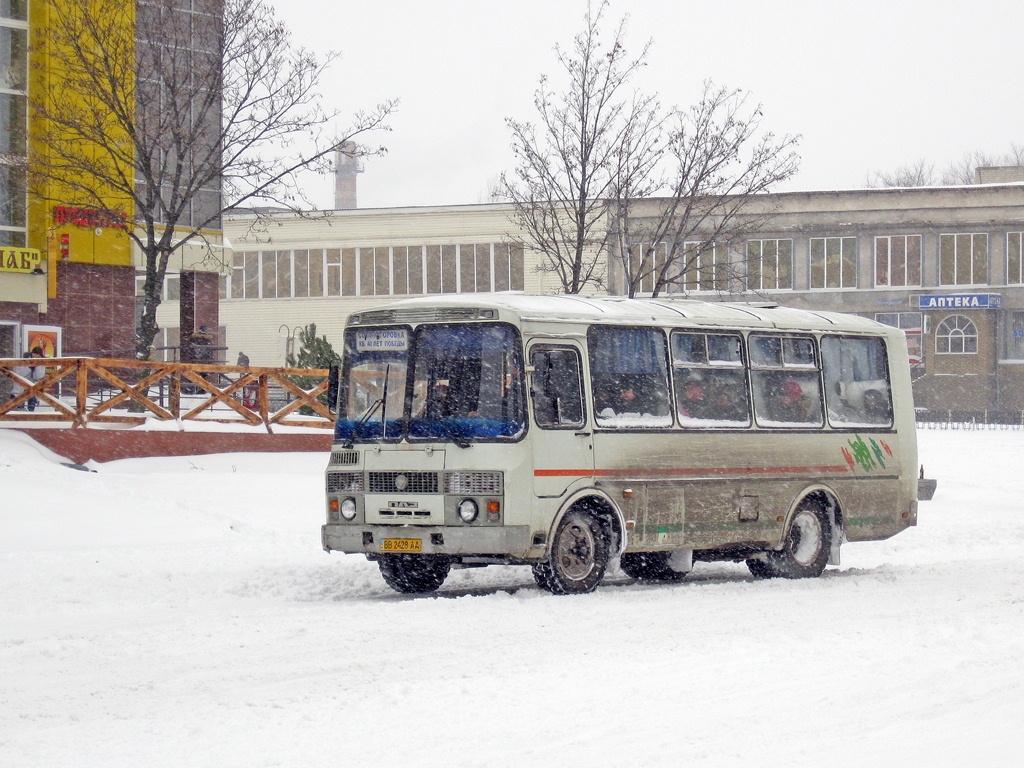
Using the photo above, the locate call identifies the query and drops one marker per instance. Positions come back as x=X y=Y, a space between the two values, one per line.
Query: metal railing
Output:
x=984 y=419
x=82 y=391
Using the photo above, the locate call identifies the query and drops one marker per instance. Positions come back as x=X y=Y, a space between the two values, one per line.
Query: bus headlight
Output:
x=348 y=508
x=468 y=510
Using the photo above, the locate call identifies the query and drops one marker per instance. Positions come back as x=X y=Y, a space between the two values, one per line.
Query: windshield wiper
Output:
x=362 y=420
x=455 y=435
x=384 y=400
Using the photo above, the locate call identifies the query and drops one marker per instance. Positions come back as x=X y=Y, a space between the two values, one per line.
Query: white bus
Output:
x=560 y=432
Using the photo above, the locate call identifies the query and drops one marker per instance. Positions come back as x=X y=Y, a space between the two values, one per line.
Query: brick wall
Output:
x=95 y=305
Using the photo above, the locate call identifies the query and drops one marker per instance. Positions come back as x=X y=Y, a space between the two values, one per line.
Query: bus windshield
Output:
x=455 y=383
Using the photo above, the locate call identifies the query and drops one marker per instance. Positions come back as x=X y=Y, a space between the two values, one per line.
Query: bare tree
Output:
x=918 y=174
x=957 y=173
x=180 y=118
x=566 y=164
x=603 y=150
x=716 y=160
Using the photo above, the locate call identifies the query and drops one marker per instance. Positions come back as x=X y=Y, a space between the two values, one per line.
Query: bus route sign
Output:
x=382 y=340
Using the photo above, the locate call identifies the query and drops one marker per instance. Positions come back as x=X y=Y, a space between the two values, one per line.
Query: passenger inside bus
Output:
x=692 y=404
x=876 y=408
x=619 y=403
x=791 y=404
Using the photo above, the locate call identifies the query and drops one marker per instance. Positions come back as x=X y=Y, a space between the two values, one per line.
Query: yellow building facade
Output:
x=67 y=263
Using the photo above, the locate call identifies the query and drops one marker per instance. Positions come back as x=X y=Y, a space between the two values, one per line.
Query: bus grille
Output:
x=415 y=482
x=345 y=458
x=340 y=482
x=473 y=483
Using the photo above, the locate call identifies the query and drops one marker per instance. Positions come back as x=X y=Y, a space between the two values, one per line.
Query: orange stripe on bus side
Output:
x=689 y=471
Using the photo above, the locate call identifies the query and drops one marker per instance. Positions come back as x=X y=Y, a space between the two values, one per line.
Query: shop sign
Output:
x=960 y=301
x=19 y=259
x=90 y=218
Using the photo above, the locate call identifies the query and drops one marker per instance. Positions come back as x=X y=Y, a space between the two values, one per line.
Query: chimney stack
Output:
x=346 y=165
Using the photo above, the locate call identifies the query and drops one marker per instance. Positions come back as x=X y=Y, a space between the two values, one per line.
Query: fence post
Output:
x=81 y=391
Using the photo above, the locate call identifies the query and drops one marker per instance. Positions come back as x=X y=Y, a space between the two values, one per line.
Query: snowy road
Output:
x=180 y=612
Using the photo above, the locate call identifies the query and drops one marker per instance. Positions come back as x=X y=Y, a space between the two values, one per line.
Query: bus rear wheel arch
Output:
x=805 y=550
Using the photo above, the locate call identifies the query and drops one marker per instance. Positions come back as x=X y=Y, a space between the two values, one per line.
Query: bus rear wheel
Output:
x=650 y=566
x=579 y=556
x=805 y=552
x=414 y=573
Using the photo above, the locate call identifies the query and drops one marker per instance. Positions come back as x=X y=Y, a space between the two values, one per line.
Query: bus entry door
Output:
x=563 y=446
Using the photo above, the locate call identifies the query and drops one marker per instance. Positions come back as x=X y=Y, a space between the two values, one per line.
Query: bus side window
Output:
x=710 y=382
x=557 y=389
x=784 y=381
x=629 y=373
x=856 y=374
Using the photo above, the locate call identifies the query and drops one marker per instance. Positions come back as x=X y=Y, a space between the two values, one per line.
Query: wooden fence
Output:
x=80 y=391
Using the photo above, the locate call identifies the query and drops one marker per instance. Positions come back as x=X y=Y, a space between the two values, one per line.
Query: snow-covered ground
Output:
x=180 y=612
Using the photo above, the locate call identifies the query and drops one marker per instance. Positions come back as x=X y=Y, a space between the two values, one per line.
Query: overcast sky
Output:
x=868 y=85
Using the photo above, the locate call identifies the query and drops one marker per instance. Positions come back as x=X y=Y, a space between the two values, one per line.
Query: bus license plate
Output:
x=401 y=545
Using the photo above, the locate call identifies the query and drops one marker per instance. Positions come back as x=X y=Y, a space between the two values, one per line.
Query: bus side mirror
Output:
x=333 y=377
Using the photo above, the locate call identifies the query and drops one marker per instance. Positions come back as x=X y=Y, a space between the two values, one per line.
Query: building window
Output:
x=1014 y=258
x=646 y=261
x=963 y=259
x=14 y=9
x=13 y=122
x=705 y=266
x=1014 y=336
x=769 y=265
x=508 y=267
x=475 y=268
x=833 y=262
x=308 y=273
x=897 y=261
x=408 y=263
x=912 y=324
x=375 y=271
x=956 y=335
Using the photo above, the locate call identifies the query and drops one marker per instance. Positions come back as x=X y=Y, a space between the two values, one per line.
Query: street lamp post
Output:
x=289 y=344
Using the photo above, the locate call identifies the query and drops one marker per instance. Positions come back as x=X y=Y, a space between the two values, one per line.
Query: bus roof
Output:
x=605 y=309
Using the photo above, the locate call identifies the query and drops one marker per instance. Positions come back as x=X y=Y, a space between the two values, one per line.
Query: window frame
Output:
x=1019 y=236
x=958 y=332
x=974 y=260
x=888 y=240
x=760 y=378
x=707 y=367
x=761 y=272
x=845 y=262
x=534 y=389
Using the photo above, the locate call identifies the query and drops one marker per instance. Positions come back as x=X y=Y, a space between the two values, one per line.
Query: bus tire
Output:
x=578 y=558
x=414 y=574
x=805 y=551
x=542 y=575
x=650 y=566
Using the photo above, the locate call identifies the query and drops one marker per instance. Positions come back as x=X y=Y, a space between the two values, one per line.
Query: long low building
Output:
x=945 y=264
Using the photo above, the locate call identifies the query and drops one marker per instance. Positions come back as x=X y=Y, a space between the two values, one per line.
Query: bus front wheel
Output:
x=805 y=552
x=579 y=556
x=414 y=573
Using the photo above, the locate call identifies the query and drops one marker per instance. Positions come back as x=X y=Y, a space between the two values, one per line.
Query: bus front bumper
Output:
x=505 y=541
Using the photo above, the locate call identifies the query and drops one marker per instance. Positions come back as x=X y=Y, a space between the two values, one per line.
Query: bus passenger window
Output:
x=557 y=388
x=784 y=381
x=856 y=377
x=629 y=371
x=710 y=382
